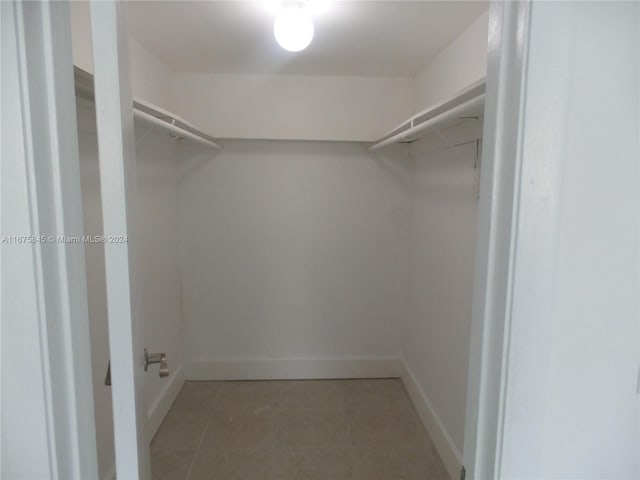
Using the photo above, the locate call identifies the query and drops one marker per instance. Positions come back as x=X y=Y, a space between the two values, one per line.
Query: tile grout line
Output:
x=204 y=432
x=274 y=448
x=281 y=398
x=348 y=413
x=195 y=455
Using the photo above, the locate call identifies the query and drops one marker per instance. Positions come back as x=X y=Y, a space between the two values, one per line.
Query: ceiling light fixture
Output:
x=293 y=27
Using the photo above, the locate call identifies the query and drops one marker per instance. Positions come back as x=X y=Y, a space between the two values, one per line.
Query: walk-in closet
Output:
x=304 y=242
x=302 y=235
x=319 y=240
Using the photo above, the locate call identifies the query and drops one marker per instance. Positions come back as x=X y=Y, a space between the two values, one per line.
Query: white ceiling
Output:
x=372 y=38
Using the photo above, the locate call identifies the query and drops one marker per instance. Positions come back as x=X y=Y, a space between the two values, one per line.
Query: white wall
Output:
x=443 y=233
x=293 y=107
x=570 y=399
x=442 y=258
x=159 y=290
x=461 y=63
x=293 y=251
x=150 y=79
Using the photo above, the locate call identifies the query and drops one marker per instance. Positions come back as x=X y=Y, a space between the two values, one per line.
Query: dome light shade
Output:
x=293 y=29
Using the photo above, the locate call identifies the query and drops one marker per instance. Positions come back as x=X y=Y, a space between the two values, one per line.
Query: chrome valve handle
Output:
x=160 y=358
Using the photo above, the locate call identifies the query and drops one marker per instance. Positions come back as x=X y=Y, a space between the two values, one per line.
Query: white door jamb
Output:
x=497 y=219
x=46 y=357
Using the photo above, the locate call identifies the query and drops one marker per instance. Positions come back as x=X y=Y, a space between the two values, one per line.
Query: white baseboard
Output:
x=451 y=456
x=297 y=368
x=160 y=407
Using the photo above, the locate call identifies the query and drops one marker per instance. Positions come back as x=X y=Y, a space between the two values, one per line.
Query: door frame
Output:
x=47 y=393
x=539 y=106
x=498 y=212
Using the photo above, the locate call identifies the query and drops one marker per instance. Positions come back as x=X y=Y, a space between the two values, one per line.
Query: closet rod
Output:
x=180 y=132
x=421 y=127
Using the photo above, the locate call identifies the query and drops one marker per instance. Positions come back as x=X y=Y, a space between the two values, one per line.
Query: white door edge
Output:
x=116 y=148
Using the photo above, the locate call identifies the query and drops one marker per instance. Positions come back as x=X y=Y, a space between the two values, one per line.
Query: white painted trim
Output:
x=451 y=456
x=165 y=399
x=497 y=218
x=36 y=37
x=116 y=149
x=294 y=368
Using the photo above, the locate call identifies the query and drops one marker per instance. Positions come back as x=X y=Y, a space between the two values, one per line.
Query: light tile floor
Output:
x=294 y=430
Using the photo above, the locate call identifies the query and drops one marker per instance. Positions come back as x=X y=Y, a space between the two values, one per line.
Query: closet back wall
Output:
x=294 y=260
x=287 y=107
